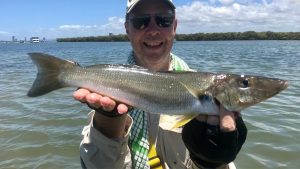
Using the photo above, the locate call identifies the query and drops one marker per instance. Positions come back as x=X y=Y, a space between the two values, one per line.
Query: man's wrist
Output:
x=112 y=127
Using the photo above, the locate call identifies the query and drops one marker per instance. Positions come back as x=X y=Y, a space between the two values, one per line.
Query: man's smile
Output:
x=153 y=44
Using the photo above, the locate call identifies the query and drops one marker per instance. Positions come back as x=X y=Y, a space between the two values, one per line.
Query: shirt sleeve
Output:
x=99 y=151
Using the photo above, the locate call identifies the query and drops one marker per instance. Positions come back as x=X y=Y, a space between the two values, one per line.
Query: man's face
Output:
x=151 y=42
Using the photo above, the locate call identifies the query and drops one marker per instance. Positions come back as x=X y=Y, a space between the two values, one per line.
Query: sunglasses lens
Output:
x=140 y=22
x=164 y=21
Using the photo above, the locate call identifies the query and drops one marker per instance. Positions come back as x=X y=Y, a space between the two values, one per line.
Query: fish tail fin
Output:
x=175 y=121
x=49 y=69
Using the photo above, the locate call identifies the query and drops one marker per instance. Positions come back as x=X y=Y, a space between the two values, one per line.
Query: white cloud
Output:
x=196 y=16
x=4 y=33
x=68 y=27
x=209 y=16
x=114 y=25
x=239 y=15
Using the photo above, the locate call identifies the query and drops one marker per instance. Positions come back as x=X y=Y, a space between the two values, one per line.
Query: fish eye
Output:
x=245 y=83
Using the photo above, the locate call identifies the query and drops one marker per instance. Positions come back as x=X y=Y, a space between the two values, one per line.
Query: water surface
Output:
x=45 y=132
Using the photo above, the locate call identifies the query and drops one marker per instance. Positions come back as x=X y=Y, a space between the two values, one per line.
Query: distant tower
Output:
x=13 y=38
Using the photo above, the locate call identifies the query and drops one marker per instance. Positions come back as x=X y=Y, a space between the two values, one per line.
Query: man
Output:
x=121 y=137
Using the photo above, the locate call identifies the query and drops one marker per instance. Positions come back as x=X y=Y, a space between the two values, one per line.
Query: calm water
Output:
x=44 y=132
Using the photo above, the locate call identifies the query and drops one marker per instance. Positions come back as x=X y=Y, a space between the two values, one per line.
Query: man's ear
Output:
x=126 y=27
x=175 y=26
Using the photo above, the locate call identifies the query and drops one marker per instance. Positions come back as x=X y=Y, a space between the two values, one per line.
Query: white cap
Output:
x=132 y=3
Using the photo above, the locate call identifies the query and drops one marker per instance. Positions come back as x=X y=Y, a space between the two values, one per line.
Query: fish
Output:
x=187 y=93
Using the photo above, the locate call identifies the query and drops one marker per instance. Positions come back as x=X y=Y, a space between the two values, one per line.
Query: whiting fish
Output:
x=172 y=93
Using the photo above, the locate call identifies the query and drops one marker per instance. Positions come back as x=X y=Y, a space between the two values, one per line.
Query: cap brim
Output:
x=136 y=2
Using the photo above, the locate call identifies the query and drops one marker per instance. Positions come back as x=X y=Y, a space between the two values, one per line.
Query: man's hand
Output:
x=112 y=127
x=214 y=141
x=226 y=120
x=97 y=101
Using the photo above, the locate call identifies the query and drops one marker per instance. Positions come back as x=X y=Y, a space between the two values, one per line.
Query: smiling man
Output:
x=151 y=27
x=122 y=137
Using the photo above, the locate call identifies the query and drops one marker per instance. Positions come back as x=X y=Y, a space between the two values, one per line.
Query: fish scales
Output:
x=153 y=92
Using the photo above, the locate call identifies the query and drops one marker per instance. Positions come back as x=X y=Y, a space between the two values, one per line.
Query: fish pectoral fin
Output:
x=201 y=95
x=182 y=120
x=173 y=122
x=193 y=91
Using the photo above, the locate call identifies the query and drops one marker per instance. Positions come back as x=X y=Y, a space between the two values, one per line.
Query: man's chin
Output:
x=153 y=57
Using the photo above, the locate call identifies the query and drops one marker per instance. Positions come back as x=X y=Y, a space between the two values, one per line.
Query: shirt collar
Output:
x=131 y=61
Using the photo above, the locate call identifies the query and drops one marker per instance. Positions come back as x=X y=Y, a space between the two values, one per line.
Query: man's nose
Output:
x=153 y=28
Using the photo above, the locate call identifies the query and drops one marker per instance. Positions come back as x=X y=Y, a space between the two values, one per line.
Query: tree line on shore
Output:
x=249 y=35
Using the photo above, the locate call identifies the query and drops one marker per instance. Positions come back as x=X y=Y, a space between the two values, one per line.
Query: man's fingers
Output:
x=227 y=120
x=81 y=94
x=94 y=100
x=122 y=108
x=107 y=104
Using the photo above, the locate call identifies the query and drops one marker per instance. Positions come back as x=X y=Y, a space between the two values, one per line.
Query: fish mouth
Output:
x=285 y=84
x=282 y=85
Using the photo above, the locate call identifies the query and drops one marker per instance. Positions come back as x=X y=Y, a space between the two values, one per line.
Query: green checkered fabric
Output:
x=138 y=139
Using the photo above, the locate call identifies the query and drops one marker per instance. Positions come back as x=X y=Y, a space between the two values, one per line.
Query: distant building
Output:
x=34 y=39
x=13 y=39
x=110 y=34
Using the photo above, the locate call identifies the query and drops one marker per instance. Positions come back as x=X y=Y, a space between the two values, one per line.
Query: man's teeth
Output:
x=153 y=44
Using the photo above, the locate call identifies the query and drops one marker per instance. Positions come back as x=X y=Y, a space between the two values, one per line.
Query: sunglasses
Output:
x=161 y=20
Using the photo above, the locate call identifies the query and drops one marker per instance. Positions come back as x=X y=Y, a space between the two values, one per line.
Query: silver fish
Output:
x=156 y=92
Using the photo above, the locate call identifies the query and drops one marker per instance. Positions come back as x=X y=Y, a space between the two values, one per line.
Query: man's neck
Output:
x=162 y=65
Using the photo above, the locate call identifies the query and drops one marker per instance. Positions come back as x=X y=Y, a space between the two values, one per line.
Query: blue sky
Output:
x=72 y=18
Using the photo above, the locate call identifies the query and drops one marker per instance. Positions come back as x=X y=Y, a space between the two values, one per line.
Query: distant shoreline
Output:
x=248 y=35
